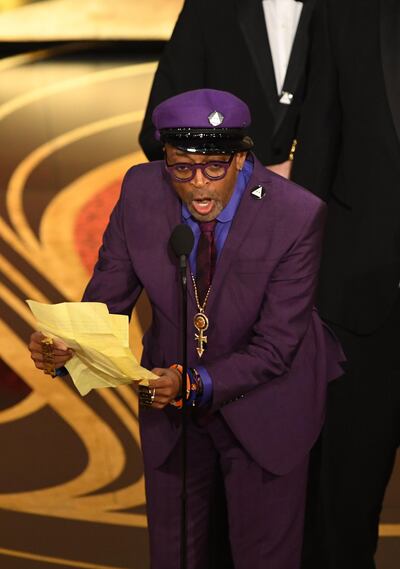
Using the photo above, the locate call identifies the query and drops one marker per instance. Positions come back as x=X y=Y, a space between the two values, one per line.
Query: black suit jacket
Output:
x=349 y=154
x=224 y=45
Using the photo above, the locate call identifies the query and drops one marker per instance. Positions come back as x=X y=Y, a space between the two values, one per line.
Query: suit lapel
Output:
x=297 y=61
x=390 y=51
x=252 y=23
x=243 y=221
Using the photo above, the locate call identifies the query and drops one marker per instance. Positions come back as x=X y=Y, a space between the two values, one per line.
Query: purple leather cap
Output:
x=204 y=121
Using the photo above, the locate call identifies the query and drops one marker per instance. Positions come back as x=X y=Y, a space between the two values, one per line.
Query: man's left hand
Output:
x=166 y=389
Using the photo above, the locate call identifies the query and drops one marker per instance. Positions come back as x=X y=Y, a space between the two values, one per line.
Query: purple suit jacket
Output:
x=269 y=355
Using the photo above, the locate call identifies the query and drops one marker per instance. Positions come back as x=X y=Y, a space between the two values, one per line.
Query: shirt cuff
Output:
x=207 y=386
x=61 y=371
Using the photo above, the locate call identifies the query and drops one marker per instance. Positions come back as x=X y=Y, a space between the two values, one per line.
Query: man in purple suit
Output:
x=257 y=382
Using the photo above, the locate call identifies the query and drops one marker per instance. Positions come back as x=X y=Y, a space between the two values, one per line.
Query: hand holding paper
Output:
x=100 y=341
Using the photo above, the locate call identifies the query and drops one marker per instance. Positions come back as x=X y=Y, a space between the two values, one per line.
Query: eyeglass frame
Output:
x=193 y=166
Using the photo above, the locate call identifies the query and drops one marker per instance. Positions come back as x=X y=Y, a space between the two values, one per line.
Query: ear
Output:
x=240 y=158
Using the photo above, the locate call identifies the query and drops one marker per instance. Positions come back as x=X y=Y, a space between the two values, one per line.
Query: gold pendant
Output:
x=200 y=322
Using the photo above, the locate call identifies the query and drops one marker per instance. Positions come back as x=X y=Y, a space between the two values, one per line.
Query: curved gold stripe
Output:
x=64 y=500
x=134 y=493
x=130 y=397
x=35 y=261
x=31 y=404
x=11 y=239
x=58 y=247
x=70 y=509
x=19 y=307
x=127 y=418
x=41 y=54
x=389 y=530
x=21 y=281
x=106 y=457
x=21 y=101
x=52 y=254
x=69 y=20
x=21 y=173
x=53 y=560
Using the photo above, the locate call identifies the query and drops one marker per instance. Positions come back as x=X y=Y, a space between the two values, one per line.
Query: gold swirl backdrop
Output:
x=71 y=480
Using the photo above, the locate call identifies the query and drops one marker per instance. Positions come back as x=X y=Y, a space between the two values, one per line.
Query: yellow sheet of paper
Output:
x=99 y=339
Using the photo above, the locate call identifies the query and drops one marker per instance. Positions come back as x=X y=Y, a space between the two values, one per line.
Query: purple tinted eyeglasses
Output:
x=186 y=171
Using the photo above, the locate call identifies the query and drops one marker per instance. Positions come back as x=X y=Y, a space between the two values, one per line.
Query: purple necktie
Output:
x=206 y=258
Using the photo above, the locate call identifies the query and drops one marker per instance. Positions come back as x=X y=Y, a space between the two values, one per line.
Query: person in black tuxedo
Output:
x=349 y=154
x=228 y=45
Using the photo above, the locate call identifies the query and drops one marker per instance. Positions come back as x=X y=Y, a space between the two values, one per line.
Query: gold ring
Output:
x=146 y=395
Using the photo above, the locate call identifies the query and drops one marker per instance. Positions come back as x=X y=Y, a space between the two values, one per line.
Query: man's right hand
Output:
x=61 y=352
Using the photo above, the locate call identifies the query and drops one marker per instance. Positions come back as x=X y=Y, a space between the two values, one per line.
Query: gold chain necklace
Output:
x=200 y=319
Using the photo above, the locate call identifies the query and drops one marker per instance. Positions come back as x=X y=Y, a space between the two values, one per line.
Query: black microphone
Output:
x=182 y=241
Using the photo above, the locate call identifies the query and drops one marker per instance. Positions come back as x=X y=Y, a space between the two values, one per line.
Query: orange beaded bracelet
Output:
x=178 y=402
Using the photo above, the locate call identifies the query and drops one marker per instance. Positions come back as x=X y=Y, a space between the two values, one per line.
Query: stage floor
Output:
x=71 y=482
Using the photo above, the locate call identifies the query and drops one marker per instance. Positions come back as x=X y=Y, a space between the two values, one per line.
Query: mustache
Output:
x=193 y=196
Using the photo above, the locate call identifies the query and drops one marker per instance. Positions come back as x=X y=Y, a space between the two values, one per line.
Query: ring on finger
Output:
x=146 y=396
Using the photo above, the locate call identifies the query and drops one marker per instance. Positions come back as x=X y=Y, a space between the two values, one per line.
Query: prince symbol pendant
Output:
x=200 y=322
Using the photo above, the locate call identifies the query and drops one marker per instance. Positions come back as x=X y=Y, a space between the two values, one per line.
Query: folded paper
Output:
x=100 y=341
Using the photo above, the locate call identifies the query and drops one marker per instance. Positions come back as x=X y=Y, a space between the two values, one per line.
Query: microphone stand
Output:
x=182 y=241
x=182 y=267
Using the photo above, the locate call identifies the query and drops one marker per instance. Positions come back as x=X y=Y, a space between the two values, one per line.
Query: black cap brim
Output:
x=209 y=141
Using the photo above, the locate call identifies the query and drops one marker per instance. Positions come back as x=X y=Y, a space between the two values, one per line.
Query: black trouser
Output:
x=353 y=460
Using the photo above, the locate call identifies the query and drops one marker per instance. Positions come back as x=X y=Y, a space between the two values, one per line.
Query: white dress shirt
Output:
x=282 y=18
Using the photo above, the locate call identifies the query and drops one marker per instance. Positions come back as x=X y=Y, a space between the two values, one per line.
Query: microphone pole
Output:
x=182 y=241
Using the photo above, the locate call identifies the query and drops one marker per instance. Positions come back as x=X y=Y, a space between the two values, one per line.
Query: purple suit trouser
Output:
x=272 y=506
